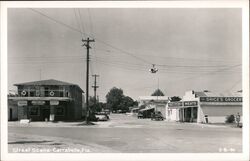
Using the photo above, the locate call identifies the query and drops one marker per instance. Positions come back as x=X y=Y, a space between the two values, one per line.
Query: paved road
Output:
x=128 y=134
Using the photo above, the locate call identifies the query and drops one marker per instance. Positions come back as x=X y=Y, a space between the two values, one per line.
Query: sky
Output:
x=193 y=49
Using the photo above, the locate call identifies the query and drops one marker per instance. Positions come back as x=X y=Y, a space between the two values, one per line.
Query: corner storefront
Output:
x=204 y=107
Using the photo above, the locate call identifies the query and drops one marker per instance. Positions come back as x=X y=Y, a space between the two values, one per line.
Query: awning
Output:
x=40 y=98
x=146 y=109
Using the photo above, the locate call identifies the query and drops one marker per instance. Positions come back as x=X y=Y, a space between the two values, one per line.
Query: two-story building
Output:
x=47 y=100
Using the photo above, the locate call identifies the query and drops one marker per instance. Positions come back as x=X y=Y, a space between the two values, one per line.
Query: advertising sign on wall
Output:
x=190 y=103
x=175 y=104
x=38 y=102
x=54 y=102
x=22 y=103
x=220 y=99
x=182 y=104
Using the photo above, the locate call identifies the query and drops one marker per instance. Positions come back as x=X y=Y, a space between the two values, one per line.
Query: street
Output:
x=125 y=133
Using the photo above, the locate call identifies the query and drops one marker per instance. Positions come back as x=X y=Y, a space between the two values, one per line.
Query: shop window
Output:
x=34 y=111
x=61 y=91
x=59 y=111
x=46 y=91
x=32 y=93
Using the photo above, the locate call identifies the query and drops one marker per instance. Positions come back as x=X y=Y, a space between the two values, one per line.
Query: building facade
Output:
x=154 y=103
x=205 y=107
x=47 y=100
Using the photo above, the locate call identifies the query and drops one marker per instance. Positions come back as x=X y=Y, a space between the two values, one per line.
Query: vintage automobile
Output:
x=102 y=116
x=157 y=116
x=140 y=115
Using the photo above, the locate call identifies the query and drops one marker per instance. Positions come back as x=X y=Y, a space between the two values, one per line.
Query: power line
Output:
x=116 y=48
x=78 y=23
x=58 y=22
x=74 y=29
x=206 y=74
x=82 y=24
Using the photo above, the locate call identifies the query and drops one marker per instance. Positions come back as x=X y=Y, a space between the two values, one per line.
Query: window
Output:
x=46 y=91
x=34 y=110
x=61 y=90
x=32 y=93
x=60 y=111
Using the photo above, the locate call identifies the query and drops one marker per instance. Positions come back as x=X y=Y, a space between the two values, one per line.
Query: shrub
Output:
x=230 y=119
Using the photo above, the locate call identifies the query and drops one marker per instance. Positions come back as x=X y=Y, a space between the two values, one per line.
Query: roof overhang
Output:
x=40 y=98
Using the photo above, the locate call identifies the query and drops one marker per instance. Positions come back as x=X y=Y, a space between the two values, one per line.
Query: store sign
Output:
x=220 y=99
x=190 y=103
x=22 y=103
x=175 y=104
x=183 y=104
x=54 y=102
x=38 y=102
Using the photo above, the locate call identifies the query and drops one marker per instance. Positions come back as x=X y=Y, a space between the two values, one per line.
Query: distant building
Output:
x=205 y=107
x=154 y=103
x=46 y=100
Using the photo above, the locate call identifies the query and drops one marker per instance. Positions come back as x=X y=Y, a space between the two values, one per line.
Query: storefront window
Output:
x=34 y=111
x=61 y=91
x=60 y=111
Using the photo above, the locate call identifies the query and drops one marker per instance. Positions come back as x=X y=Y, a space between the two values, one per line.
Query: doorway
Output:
x=188 y=114
x=11 y=114
x=46 y=114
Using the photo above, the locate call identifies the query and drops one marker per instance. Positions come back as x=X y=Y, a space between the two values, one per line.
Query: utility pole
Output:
x=86 y=44
x=95 y=86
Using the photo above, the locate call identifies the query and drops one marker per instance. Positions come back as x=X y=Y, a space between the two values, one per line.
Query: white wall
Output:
x=172 y=114
x=218 y=113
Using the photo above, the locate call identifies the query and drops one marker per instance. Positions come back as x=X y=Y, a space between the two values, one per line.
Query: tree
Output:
x=95 y=106
x=126 y=103
x=175 y=99
x=157 y=92
x=116 y=100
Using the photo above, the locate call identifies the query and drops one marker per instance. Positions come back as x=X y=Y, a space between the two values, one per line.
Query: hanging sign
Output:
x=220 y=99
x=22 y=103
x=38 y=102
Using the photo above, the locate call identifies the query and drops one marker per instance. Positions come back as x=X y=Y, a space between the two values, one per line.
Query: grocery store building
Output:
x=205 y=107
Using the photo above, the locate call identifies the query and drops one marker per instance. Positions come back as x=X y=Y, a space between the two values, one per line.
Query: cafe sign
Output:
x=22 y=103
x=54 y=102
x=38 y=102
x=220 y=99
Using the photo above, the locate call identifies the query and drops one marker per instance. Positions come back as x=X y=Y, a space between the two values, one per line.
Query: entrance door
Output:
x=190 y=114
x=10 y=114
x=46 y=114
x=187 y=114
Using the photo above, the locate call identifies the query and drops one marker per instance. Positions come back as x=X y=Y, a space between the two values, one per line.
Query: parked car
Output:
x=157 y=116
x=140 y=115
x=102 y=117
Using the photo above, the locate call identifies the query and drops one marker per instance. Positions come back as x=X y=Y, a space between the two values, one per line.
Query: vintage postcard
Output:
x=136 y=80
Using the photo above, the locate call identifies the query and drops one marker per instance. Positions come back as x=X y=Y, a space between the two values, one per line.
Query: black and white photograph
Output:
x=126 y=80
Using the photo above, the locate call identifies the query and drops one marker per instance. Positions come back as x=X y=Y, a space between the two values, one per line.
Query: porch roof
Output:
x=40 y=98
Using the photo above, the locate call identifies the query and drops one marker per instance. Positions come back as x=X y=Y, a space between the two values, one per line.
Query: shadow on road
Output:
x=29 y=142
